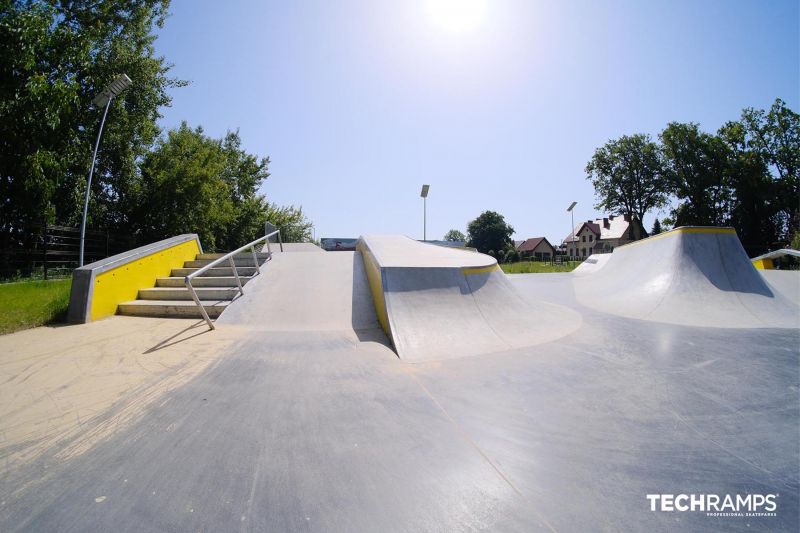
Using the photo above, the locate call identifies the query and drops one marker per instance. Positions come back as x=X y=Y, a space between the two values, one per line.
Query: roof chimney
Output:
x=605 y=223
x=626 y=218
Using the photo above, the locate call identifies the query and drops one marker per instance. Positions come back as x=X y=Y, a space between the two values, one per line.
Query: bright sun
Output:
x=456 y=15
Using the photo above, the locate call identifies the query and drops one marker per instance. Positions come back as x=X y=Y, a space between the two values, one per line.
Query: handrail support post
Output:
x=236 y=273
x=230 y=256
x=188 y=281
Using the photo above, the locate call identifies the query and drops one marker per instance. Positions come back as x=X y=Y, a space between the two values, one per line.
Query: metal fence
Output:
x=46 y=251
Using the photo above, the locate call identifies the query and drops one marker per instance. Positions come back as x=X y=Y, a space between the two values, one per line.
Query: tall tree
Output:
x=695 y=165
x=628 y=178
x=656 y=227
x=489 y=232
x=64 y=53
x=291 y=220
x=455 y=235
x=775 y=135
x=192 y=183
x=756 y=209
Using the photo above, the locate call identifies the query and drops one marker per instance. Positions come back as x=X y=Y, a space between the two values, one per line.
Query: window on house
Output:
x=583 y=252
x=583 y=238
x=590 y=238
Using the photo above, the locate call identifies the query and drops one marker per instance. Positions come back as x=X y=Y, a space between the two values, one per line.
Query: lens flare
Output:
x=456 y=15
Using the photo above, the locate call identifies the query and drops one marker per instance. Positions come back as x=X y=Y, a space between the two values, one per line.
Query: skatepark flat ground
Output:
x=324 y=428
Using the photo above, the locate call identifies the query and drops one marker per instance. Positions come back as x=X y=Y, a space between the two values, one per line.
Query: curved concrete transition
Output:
x=695 y=276
x=591 y=264
x=439 y=303
x=786 y=283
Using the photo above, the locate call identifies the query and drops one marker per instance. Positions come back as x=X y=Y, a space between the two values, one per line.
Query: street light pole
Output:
x=104 y=98
x=572 y=216
x=424 y=195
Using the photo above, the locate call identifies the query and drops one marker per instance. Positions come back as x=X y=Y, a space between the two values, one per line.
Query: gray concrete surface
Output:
x=784 y=282
x=323 y=428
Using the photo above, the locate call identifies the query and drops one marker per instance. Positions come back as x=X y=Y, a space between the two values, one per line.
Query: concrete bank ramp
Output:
x=695 y=276
x=441 y=303
x=300 y=290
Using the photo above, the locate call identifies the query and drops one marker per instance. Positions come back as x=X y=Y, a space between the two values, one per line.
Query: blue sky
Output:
x=360 y=102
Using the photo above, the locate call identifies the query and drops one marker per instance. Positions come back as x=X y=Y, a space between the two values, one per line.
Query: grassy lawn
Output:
x=27 y=304
x=534 y=267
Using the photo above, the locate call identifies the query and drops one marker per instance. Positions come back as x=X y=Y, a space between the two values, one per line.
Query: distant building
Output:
x=332 y=244
x=538 y=248
x=599 y=236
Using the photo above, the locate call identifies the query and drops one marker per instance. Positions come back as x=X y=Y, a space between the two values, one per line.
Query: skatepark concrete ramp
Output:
x=439 y=303
x=307 y=289
x=697 y=276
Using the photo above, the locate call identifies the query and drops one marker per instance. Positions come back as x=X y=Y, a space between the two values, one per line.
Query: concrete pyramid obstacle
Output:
x=697 y=276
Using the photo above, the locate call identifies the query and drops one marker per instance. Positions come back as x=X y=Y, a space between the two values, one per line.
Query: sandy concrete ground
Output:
x=73 y=386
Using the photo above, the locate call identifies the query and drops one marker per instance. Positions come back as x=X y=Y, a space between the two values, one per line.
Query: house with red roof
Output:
x=598 y=236
x=538 y=248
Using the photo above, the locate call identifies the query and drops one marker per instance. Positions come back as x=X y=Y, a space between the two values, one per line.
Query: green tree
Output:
x=756 y=210
x=192 y=183
x=695 y=165
x=628 y=178
x=294 y=225
x=455 y=236
x=656 y=228
x=775 y=135
x=64 y=53
x=489 y=232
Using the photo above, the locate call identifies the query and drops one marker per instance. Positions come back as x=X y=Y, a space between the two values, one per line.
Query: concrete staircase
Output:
x=216 y=288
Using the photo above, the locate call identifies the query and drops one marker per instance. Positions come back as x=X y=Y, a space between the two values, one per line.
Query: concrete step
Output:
x=240 y=261
x=182 y=293
x=203 y=281
x=262 y=256
x=171 y=308
x=214 y=272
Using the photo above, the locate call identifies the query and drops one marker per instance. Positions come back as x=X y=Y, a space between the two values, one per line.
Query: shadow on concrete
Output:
x=180 y=337
x=364 y=317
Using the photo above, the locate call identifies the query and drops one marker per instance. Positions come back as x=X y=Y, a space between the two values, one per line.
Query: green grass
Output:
x=536 y=267
x=27 y=304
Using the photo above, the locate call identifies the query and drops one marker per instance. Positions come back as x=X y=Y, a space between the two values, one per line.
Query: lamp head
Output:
x=115 y=88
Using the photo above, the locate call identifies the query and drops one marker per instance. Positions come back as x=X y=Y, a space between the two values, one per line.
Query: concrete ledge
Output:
x=766 y=261
x=97 y=288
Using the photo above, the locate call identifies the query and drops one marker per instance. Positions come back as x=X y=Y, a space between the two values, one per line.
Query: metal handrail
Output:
x=229 y=256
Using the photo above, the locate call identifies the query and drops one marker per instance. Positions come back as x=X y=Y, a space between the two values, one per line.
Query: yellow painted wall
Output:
x=123 y=283
x=375 y=286
x=764 y=264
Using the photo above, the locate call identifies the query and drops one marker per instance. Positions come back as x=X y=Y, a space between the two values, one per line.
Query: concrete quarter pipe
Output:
x=440 y=303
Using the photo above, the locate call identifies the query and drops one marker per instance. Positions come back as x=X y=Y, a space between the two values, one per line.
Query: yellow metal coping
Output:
x=123 y=283
x=687 y=229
